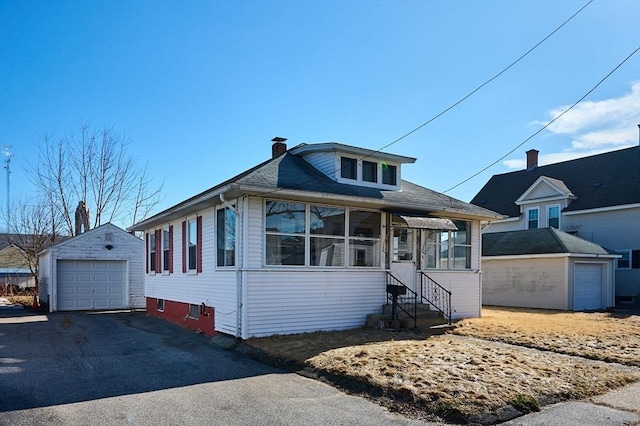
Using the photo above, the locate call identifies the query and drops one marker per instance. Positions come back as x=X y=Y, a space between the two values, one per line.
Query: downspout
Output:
x=237 y=266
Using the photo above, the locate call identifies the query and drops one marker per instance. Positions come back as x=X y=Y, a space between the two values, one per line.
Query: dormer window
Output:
x=389 y=174
x=369 y=171
x=348 y=168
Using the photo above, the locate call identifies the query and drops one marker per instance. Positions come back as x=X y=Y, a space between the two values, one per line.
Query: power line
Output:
x=548 y=124
x=455 y=104
x=464 y=98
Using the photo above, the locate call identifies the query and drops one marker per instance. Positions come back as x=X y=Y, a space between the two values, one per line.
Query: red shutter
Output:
x=171 y=249
x=199 y=244
x=184 y=247
x=146 y=245
x=158 y=251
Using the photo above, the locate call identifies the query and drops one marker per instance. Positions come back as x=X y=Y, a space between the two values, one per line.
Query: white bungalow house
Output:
x=595 y=198
x=309 y=240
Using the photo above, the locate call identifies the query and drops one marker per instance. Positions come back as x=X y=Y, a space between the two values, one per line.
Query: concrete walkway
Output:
x=615 y=408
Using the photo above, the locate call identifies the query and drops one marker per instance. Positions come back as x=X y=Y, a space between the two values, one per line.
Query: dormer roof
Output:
x=304 y=149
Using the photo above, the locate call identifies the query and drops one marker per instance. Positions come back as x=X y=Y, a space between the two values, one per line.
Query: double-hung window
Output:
x=449 y=249
x=553 y=216
x=624 y=262
x=192 y=242
x=152 y=252
x=166 y=252
x=226 y=237
x=533 y=218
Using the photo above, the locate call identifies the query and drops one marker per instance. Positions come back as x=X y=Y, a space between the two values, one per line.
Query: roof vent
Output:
x=279 y=147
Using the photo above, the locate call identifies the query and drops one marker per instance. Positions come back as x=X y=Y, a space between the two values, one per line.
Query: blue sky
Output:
x=201 y=87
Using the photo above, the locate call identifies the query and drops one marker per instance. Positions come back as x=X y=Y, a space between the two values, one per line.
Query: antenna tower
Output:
x=7 y=165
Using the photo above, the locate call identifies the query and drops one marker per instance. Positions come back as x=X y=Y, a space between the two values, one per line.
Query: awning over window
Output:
x=437 y=223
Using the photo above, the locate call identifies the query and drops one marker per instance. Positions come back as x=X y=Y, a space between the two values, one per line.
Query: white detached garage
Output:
x=99 y=269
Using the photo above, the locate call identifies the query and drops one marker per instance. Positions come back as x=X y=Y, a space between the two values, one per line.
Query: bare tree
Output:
x=93 y=166
x=33 y=228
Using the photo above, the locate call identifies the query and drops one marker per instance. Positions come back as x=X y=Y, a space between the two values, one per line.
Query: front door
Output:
x=403 y=258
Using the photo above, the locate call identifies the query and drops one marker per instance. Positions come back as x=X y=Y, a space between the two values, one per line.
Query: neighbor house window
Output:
x=348 y=168
x=226 y=237
x=194 y=310
x=369 y=171
x=160 y=305
x=389 y=174
x=624 y=262
x=364 y=238
x=532 y=218
x=166 y=249
x=285 y=226
x=553 y=216
x=152 y=252
x=449 y=249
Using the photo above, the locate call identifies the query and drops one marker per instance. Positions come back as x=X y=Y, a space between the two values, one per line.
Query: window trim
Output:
x=628 y=259
x=528 y=217
x=549 y=207
x=160 y=305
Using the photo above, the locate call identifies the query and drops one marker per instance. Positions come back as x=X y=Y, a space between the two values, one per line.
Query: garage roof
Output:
x=537 y=241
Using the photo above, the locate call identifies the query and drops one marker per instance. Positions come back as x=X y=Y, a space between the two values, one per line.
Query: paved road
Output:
x=127 y=368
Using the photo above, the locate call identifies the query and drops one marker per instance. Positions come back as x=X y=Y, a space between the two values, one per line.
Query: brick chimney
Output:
x=279 y=147
x=532 y=158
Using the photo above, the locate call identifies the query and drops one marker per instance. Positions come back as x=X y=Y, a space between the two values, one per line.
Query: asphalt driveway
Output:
x=127 y=368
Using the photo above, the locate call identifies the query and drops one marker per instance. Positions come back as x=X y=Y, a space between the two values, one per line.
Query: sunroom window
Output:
x=226 y=237
x=445 y=249
x=306 y=234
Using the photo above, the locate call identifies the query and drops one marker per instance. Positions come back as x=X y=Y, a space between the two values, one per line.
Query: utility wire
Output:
x=548 y=124
x=464 y=98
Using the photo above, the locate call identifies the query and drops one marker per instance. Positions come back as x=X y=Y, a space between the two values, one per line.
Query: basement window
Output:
x=194 y=311
x=160 y=305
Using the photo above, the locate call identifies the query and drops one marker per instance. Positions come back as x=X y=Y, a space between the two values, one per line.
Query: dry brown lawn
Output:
x=608 y=337
x=479 y=374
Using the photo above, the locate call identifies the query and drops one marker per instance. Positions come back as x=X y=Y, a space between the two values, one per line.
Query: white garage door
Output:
x=587 y=285
x=91 y=284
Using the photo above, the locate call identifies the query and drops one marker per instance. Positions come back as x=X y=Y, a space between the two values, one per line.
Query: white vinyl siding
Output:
x=286 y=302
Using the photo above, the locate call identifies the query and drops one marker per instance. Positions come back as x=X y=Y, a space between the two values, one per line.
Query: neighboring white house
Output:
x=309 y=240
x=546 y=268
x=596 y=198
x=99 y=269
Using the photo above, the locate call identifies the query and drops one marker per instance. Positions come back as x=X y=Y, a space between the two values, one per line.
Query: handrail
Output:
x=406 y=302
x=436 y=295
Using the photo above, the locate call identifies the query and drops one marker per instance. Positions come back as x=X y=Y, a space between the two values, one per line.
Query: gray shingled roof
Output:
x=292 y=173
x=537 y=241
x=604 y=180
